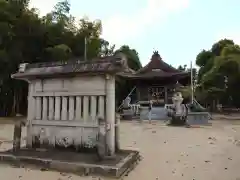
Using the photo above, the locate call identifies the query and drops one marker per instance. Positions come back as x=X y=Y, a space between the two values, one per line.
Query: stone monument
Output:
x=178 y=111
x=66 y=100
x=177 y=100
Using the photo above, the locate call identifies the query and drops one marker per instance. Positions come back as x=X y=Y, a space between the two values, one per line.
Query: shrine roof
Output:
x=156 y=63
x=109 y=64
x=151 y=75
x=157 y=68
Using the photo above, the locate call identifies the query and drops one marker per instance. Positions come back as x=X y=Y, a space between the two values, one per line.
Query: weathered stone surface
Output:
x=111 y=64
x=81 y=164
x=65 y=102
x=17 y=136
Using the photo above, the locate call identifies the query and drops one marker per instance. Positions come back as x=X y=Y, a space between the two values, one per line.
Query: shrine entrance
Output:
x=157 y=94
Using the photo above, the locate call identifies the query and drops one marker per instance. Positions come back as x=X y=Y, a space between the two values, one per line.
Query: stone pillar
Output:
x=31 y=113
x=85 y=108
x=71 y=108
x=93 y=107
x=45 y=109
x=78 y=108
x=101 y=107
x=110 y=114
x=38 y=108
x=57 y=108
x=51 y=108
x=17 y=136
x=64 y=108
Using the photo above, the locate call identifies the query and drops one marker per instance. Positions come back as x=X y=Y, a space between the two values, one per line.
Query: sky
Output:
x=177 y=29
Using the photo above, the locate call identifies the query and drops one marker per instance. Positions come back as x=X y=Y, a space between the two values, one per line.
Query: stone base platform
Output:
x=74 y=162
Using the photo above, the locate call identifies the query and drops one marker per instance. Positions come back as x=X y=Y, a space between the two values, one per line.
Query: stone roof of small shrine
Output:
x=109 y=64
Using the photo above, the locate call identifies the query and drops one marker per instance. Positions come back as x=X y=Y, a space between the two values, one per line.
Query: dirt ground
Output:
x=169 y=153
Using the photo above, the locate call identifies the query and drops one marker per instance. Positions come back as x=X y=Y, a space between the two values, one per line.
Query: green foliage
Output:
x=132 y=55
x=220 y=45
x=219 y=73
x=203 y=57
x=59 y=52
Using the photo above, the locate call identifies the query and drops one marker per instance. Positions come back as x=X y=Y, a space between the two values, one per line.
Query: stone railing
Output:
x=68 y=107
x=66 y=120
x=135 y=108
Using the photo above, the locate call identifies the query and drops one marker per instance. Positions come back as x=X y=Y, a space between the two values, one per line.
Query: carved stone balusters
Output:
x=51 y=108
x=78 y=108
x=38 y=108
x=64 y=115
x=71 y=108
x=85 y=108
x=101 y=106
x=45 y=108
x=93 y=107
x=57 y=108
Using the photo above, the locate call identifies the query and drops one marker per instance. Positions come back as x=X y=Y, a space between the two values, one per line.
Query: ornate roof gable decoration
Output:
x=158 y=65
x=156 y=54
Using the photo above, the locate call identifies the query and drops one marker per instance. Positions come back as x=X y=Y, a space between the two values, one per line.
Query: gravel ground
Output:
x=169 y=153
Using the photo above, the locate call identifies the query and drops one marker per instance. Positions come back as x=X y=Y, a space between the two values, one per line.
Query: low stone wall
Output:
x=197 y=118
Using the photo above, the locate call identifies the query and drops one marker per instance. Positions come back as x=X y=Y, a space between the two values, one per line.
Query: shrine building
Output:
x=157 y=81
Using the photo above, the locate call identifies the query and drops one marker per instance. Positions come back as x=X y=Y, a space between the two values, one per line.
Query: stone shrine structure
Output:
x=66 y=100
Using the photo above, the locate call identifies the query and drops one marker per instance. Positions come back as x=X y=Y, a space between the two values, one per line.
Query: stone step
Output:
x=158 y=113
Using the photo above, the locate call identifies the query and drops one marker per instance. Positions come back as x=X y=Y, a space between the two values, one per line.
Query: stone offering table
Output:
x=65 y=102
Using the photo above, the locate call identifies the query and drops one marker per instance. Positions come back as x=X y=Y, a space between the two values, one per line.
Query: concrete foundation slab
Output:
x=74 y=162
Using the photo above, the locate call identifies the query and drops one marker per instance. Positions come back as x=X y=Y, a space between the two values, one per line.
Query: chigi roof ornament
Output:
x=156 y=54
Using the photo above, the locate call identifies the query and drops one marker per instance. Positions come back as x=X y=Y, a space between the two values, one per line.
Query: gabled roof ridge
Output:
x=156 y=62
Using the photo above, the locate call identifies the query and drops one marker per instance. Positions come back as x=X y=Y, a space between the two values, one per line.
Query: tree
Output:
x=182 y=68
x=59 y=52
x=107 y=49
x=132 y=56
x=219 y=72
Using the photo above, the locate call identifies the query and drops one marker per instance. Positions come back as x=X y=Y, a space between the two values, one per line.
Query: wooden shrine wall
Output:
x=163 y=93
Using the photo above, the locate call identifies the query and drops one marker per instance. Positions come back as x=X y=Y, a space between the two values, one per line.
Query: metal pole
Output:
x=192 y=96
x=85 y=48
x=126 y=97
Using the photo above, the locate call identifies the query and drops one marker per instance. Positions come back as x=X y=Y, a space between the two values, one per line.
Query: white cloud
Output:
x=119 y=28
